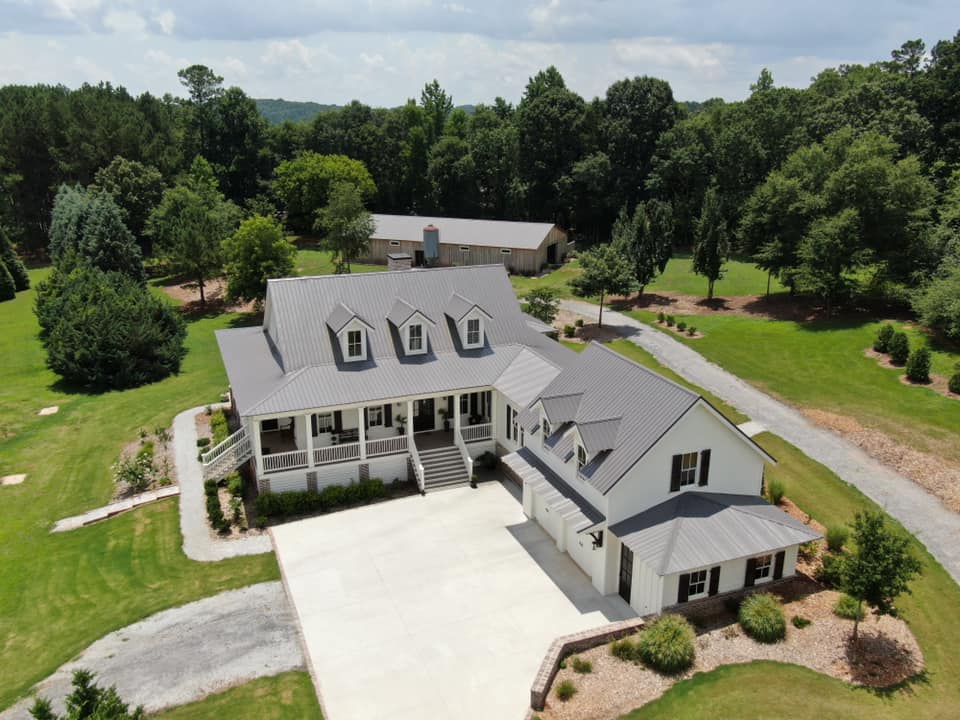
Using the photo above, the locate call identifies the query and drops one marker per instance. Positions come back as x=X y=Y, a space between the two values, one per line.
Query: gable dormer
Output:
x=351 y=332
x=470 y=320
x=412 y=325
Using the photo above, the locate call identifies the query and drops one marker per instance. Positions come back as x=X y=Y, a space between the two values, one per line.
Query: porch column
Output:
x=493 y=418
x=309 y=420
x=362 y=433
x=410 y=420
x=257 y=448
x=456 y=416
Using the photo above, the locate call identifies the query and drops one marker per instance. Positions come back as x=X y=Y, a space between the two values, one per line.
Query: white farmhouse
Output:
x=416 y=373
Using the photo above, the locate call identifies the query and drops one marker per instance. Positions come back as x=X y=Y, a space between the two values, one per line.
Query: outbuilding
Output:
x=522 y=247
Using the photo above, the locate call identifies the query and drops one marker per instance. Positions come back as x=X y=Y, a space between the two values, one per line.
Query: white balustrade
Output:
x=387 y=446
x=336 y=453
x=277 y=462
x=474 y=433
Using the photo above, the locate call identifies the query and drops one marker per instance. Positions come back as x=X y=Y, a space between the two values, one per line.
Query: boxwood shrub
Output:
x=884 y=335
x=666 y=645
x=762 y=618
x=954 y=382
x=918 y=365
x=284 y=504
x=899 y=348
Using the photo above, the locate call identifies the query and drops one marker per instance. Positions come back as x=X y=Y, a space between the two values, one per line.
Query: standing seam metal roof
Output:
x=463 y=231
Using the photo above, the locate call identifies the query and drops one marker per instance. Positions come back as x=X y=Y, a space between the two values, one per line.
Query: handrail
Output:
x=417 y=465
x=276 y=462
x=464 y=453
x=336 y=453
x=387 y=446
x=223 y=446
x=473 y=433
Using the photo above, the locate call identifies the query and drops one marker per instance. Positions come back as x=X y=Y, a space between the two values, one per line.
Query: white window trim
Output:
x=375 y=416
x=546 y=430
x=506 y=251
x=692 y=582
x=351 y=336
x=464 y=333
x=688 y=472
x=324 y=426
x=763 y=564
x=394 y=243
x=344 y=336
x=586 y=458
x=408 y=338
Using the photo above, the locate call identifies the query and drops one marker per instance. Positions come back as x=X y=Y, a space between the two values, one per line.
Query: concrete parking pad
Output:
x=431 y=607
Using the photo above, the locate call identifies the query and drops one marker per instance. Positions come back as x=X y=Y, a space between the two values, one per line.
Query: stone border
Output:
x=121 y=506
x=566 y=645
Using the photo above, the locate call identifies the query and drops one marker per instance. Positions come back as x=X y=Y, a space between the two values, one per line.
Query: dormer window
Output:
x=546 y=431
x=415 y=338
x=581 y=457
x=473 y=332
x=354 y=344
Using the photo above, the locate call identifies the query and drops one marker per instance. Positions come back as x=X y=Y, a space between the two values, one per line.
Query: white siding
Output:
x=734 y=466
x=646 y=590
x=389 y=468
x=580 y=548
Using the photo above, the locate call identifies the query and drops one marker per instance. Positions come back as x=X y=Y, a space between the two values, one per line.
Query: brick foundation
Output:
x=716 y=604
x=312 y=481
x=570 y=644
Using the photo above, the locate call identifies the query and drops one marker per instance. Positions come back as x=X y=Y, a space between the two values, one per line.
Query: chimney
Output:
x=431 y=244
x=399 y=261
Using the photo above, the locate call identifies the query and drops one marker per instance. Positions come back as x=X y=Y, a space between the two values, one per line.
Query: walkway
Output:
x=197 y=542
x=921 y=513
x=108 y=511
x=180 y=655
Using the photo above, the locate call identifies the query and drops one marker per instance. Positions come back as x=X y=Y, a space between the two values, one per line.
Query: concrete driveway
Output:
x=433 y=607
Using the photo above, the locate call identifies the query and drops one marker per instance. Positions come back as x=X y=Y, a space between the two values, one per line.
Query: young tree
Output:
x=881 y=566
x=256 y=252
x=346 y=224
x=648 y=248
x=190 y=224
x=15 y=266
x=304 y=185
x=88 y=701
x=605 y=272
x=712 y=245
x=136 y=188
x=542 y=304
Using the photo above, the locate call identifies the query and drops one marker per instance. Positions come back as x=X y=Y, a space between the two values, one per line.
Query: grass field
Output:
x=742 y=278
x=289 y=695
x=772 y=690
x=314 y=261
x=821 y=365
x=59 y=593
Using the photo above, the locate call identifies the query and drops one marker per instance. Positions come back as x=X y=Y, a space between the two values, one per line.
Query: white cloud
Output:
x=710 y=58
x=167 y=21
x=69 y=9
x=233 y=67
x=125 y=22
x=91 y=71
x=289 y=53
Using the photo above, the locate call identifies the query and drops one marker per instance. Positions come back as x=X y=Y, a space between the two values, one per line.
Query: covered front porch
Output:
x=357 y=434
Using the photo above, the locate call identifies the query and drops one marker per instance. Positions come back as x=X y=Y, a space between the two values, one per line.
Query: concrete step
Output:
x=446 y=484
x=445 y=463
x=444 y=474
x=439 y=452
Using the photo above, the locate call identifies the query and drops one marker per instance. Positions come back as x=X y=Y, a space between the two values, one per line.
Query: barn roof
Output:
x=463 y=231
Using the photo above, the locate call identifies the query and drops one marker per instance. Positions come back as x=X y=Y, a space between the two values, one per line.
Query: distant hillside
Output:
x=277 y=111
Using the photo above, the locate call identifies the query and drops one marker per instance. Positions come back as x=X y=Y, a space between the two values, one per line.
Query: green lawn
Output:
x=59 y=593
x=772 y=690
x=289 y=695
x=821 y=365
x=314 y=261
x=742 y=278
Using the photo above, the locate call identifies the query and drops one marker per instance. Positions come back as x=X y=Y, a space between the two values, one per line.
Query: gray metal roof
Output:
x=693 y=530
x=599 y=435
x=463 y=231
x=525 y=377
x=611 y=386
x=457 y=306
x=558 y=495
x=294 y=363
x=403 y=311
x=539 y=325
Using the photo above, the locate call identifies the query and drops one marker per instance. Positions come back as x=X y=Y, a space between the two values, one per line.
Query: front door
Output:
x=418 y=258
x=423 y=415
x=626 y=571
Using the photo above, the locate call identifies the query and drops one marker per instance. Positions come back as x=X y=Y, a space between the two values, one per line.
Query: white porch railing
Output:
x=336 y=453
x=387 y=446
x=464 y=453
x=226 y=456
x=417 y=465
x=277 y=462
x=474 y=433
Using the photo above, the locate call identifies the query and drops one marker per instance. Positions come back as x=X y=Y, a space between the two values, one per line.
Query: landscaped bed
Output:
x=885 y=655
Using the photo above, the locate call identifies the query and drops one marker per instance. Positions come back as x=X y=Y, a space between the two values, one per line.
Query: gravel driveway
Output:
x=183 y=654
x=919 y=511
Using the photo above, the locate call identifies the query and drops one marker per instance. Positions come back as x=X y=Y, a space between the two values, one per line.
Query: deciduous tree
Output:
x=304 y=185
x=712 y=244
x=542 y=303
x=346 y=224
x=605 y=272
x=644 y=238
x=136 y=188
x=255 y=253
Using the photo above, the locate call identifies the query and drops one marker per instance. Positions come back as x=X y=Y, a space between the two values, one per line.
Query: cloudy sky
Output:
x=383 y=51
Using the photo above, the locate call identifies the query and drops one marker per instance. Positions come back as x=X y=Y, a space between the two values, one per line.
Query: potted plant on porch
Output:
x=401 y=421
x=446 y=418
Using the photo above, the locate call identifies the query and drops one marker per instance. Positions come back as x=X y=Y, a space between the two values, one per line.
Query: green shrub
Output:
x=800 y=622
x=681 y=326
x=830 y=572
x=488 y=460
x=661 y=318
x=8 y=288
x=235 y=484
x=899 y=348
x=667 y=644
x=261 y=522
x=692 y=330
x=582 y=666
x=203 y=442
x=578 y=322
x=809 y=551
x=136 y=472
x=848 y=608
x=954 y=382
x=670 y=321
x=884 y=335
x=623 y=649
x=566 y=690
x=285 y=504
x=568 y=331
x=776 y=491
x=918 y=365
x=836 y=536
x=762 y=618
x=146 y=450
x=219 y=426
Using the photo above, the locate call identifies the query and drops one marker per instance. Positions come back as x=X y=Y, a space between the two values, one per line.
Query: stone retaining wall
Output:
x=567 y=645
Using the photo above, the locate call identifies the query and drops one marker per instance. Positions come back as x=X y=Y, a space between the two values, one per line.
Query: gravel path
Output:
x=183 y=654
x=197 y=542
x=920 y=512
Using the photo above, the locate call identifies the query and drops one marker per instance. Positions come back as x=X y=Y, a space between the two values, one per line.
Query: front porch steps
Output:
x=443 y=468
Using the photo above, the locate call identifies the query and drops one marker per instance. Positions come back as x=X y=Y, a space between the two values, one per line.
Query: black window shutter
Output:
x=388 y=415
x=337 y=421
x=313 y=425
x=366 y=418
x=778 y=565
x=675 y=474
x=473 y=403
x=683 y=589
x=714 y=579
x=450 y=407
x=750 y=577
x=704 y=466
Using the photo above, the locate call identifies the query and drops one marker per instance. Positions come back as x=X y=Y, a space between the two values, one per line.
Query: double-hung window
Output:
x=698 y=583
x=688 y=469
x=415 y=338
x=354 y=344
x=375 y=416
x=761 y=568
x=581 y=457
x=473 y=331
